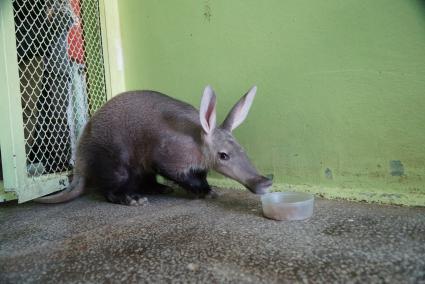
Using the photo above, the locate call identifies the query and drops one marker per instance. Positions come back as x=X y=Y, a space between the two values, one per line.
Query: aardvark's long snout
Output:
x=259 y=185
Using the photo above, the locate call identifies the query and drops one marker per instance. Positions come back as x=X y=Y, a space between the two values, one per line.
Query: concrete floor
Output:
x=175 y=239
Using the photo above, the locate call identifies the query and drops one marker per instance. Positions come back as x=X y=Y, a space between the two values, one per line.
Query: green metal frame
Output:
x=16 y=184
x=11 y=122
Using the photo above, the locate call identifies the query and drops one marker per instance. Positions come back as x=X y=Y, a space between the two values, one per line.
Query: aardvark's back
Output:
x=145 y=111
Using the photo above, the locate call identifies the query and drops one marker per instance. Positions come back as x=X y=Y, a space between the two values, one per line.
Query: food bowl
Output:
x=287 y=205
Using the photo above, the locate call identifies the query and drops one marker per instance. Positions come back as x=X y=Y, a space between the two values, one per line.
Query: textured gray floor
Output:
x=175 y=239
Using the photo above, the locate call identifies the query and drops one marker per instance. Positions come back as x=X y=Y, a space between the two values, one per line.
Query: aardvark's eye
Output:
x=223 y=156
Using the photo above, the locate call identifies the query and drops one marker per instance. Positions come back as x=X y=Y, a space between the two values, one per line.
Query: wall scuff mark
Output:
x=207 y=11
x=396 y=168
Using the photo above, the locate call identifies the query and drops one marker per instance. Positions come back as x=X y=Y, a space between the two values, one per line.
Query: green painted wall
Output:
x=341 y=84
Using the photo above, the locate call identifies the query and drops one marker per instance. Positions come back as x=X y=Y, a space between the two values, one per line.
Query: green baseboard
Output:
x=370 y=195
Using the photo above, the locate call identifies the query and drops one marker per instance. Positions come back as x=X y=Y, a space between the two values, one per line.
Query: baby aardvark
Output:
x=141 y=134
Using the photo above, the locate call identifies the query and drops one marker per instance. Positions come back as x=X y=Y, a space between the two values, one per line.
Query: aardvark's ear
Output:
x=240 y=110
x=207 y=112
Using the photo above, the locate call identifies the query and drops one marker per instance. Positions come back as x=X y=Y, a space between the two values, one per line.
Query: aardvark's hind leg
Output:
x=121 y=187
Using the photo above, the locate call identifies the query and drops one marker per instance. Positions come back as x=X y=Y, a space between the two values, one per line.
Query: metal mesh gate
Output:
x=62 y=78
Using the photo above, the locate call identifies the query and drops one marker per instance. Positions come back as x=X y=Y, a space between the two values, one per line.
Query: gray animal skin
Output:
x=141 y=134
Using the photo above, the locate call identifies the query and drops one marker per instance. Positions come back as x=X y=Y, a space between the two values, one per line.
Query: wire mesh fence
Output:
x=62 y=77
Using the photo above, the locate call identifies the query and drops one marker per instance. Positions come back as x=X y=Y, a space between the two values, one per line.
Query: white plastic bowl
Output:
x=287 y=205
